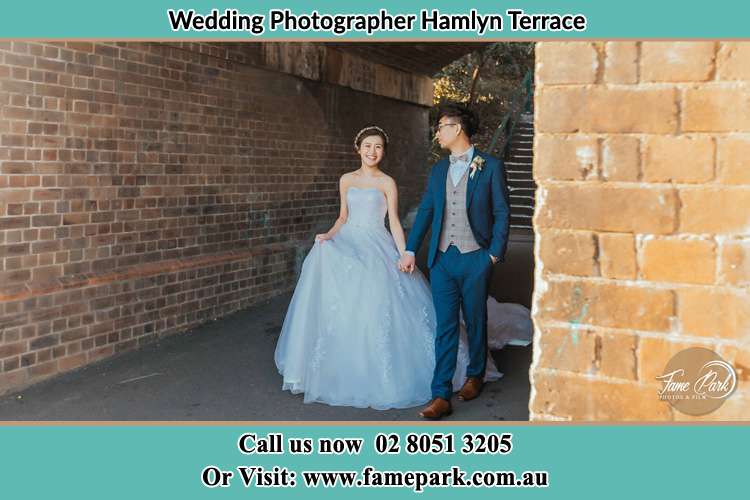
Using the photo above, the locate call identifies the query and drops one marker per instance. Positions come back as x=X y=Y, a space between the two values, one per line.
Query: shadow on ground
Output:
x=224 y=370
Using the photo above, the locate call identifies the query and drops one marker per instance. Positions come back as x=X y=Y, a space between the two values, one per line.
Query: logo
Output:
x=697 y=381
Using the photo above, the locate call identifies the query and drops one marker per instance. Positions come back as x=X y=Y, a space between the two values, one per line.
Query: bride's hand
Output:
x=320 y=238
x=406 y=263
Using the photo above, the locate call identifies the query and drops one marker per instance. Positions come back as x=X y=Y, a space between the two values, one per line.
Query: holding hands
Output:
x=406 y=263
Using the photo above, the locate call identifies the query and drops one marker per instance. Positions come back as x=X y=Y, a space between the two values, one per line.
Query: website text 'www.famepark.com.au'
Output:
x=384 y=444
x=370 y=477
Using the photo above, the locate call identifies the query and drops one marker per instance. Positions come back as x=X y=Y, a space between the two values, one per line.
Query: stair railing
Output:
x=520 y=101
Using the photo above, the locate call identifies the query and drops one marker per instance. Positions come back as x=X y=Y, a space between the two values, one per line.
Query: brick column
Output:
x=642 y=157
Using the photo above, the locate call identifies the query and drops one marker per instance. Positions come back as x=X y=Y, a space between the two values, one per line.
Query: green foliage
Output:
x=503 y=66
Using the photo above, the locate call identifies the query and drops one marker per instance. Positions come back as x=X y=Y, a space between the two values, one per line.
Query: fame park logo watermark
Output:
x=697 y=381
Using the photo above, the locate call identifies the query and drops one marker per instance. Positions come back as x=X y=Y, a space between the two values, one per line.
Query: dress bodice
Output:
x=367 y=207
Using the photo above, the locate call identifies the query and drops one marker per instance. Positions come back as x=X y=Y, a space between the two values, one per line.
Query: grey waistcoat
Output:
x=456 y=229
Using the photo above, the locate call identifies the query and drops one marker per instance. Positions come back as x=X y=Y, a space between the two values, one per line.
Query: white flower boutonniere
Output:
x=476 y=164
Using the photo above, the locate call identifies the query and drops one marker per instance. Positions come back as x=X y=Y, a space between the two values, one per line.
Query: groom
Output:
x=465 y=204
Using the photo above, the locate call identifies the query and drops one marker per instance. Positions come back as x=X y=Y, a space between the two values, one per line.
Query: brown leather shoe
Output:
x=437 y=409
x=471 y=389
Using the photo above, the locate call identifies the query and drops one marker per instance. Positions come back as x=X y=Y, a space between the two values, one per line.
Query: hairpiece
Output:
x=359 y=134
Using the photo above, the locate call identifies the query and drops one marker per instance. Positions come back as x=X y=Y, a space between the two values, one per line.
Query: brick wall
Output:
x=642 y=157
x=145 y=188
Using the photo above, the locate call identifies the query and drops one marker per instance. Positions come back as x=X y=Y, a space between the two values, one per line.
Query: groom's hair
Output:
x=468 y=118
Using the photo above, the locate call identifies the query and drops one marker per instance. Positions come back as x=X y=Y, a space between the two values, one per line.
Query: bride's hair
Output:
x=370 y=131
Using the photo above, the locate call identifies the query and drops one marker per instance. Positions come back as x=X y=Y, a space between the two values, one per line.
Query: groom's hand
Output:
x=407 y=263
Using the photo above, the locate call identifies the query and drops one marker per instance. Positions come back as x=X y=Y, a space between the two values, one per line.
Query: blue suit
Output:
x=461 y=281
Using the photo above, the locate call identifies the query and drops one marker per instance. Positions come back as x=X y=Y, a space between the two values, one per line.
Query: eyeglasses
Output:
x=438 y=128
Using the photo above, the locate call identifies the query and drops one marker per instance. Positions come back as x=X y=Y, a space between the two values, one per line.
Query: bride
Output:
x=358 y=332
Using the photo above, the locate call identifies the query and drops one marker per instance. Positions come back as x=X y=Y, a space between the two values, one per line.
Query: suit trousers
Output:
x=459 y=282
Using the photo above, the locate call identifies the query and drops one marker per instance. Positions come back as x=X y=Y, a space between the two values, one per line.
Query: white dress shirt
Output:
x=459 y=168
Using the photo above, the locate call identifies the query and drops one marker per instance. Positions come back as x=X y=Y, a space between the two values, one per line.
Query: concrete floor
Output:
x=224 y=370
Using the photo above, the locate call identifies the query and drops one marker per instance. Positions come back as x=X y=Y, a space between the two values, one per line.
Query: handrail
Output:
x=508 y=123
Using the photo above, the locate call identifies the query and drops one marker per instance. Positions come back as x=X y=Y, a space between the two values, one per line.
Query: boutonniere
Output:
x=476 y=164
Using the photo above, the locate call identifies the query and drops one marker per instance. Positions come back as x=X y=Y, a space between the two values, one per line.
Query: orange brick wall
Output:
x=642 y=158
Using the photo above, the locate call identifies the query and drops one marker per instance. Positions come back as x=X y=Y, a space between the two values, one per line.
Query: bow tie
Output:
x=454 y=158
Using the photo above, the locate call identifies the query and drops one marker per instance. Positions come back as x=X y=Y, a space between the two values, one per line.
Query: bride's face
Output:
x=371 y=150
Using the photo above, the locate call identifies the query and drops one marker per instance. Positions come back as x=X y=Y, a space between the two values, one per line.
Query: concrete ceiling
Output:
x=423 y=58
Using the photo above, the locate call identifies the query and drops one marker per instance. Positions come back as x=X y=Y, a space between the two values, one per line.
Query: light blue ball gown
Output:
x=359 y=332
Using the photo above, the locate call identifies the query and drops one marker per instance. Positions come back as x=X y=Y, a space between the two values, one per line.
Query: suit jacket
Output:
x=487 y=203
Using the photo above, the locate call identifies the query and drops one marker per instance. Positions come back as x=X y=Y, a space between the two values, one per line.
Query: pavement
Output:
x=224 y=371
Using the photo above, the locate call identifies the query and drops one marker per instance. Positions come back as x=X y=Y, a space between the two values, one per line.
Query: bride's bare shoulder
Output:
x=388 y=186
x=346 y=179
x=388 y=181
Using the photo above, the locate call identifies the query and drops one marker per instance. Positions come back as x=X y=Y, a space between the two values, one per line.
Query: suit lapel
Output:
x=471 y=183
x=442 y=178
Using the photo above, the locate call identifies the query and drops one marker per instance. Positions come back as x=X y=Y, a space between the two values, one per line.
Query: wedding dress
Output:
x=359 y=332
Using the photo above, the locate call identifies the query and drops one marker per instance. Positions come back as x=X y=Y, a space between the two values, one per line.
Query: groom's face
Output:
x=447 y=131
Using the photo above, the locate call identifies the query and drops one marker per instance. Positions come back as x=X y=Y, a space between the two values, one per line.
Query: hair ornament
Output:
x=371 y=127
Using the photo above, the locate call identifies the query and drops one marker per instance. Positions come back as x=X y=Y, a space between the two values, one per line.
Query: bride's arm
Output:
x=343 y=212
x=391 y=193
